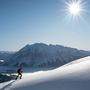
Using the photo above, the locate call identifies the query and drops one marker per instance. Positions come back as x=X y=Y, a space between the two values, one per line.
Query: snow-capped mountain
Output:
x=42 y=55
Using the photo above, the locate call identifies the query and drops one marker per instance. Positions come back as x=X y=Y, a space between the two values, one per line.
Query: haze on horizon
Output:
x=32 y=21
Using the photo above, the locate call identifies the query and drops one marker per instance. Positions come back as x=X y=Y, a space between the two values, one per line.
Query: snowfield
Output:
x=72 y=76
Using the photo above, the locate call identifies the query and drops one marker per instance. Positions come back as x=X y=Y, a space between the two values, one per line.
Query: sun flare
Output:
x=75 y=7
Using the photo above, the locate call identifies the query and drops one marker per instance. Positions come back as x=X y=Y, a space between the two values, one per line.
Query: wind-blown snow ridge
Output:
x=72 y=76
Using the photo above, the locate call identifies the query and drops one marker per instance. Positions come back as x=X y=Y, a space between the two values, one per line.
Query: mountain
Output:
x=72 y=76
x=5 y=56
x=42 y=55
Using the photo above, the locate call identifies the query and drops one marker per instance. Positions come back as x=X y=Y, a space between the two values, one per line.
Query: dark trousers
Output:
x=19 y=75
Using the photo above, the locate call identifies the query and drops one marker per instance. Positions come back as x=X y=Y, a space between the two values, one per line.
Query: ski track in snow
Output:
x=7 y=87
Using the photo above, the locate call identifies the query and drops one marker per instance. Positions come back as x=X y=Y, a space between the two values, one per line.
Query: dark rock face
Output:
x=5 y=78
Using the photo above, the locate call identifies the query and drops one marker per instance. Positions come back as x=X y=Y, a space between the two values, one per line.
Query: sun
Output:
x=75 y=7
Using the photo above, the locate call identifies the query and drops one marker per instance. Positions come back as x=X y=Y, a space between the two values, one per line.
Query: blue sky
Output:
x=30 y=21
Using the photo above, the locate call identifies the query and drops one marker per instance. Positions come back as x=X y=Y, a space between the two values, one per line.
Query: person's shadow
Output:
x=8 y=85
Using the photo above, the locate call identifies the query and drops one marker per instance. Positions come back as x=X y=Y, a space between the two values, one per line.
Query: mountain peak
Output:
x=40 y=55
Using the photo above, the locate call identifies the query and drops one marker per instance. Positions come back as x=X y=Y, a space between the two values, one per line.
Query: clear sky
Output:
x=31 y=21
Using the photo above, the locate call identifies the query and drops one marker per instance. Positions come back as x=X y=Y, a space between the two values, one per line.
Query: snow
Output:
x=72 y=76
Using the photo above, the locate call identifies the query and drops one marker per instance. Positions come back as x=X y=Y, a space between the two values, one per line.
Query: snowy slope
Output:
x=72 y=76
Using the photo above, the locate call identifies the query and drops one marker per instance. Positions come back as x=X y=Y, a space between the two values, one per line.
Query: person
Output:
x=19 y=71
